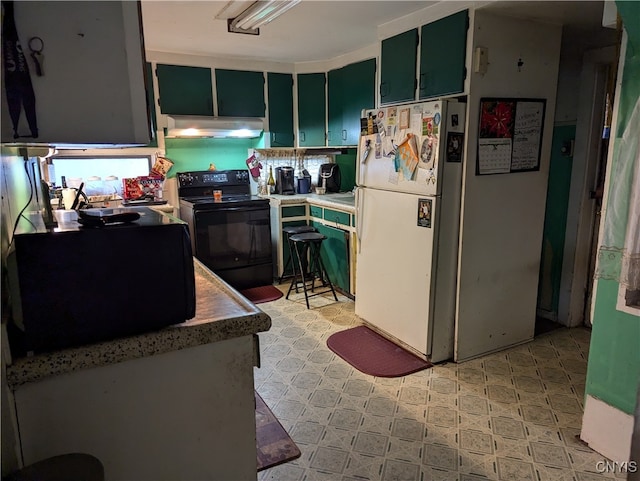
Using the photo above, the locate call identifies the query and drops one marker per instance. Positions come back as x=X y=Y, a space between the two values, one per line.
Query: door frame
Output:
x=575 y=280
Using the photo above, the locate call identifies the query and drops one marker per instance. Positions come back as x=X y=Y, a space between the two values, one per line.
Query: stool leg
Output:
x=294 y=279
x=324 y=275
x=288 y=263
x=302 y=256
x=314 y=266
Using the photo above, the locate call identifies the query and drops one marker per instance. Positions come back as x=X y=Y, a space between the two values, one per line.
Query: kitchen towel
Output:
x=370 y=353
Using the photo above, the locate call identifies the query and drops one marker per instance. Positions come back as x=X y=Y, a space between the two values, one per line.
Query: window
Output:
x=81 y=168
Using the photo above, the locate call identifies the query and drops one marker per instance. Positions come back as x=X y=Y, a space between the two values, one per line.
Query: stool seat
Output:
x=298 y=229
x=307 y=237
x=309 y=244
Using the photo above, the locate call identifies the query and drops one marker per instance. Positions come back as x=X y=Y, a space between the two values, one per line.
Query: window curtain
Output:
x=619 y=252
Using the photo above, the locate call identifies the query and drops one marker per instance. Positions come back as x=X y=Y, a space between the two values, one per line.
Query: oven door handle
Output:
x=233 y=209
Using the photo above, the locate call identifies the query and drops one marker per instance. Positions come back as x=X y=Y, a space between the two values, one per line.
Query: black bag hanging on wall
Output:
x=17 y=79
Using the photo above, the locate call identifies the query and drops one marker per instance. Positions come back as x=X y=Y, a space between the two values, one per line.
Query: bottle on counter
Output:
x=271 y=182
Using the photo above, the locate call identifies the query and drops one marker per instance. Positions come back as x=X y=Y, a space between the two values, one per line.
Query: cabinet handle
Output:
x=329 y=135
x=422 y=77
x=303 y=137
x=384 y=91
x=344 y=134
x=273 y=137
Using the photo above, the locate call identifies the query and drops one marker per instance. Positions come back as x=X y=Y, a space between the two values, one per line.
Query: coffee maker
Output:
x=285 y=181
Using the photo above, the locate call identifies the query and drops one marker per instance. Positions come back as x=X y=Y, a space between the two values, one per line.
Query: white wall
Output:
x=503 y=215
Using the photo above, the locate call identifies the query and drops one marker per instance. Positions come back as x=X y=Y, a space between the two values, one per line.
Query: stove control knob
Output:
x=185 y=179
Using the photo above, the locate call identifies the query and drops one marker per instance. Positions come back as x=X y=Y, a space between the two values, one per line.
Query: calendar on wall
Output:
x=510 y=135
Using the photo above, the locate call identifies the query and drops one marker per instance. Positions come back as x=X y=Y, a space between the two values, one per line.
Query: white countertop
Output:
x=344 y=201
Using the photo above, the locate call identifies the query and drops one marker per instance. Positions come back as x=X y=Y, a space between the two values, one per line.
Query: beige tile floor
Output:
x=512 y=415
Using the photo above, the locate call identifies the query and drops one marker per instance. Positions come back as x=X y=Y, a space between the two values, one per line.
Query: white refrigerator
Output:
x=407 y=222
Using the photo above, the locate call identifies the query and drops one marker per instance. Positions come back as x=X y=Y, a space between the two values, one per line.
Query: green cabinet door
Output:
x=359 y=87
x=280 y=95
x=335 y=93
x=335 y=255
x=398 y=67
x=240 y=93
x=184 y=90
x=350 y=89
x=443 y=51
x=311 y=109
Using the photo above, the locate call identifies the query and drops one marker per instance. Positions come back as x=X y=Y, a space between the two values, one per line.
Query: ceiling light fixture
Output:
x=258 y=14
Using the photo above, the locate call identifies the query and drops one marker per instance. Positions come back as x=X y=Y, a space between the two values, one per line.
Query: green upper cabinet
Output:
x=350 y=89
x=280 y=95
x=398 y=68
x=311 y=109
x=184 y=90
x=335 y=80
x=443 y=51
x=240 y=93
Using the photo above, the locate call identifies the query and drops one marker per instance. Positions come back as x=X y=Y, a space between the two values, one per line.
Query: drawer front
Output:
x=294 y=211
x=338 y=217
x=315 y=211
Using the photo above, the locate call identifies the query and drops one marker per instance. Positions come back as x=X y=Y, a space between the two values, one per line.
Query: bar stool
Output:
x=289 y=231
x=311 y=243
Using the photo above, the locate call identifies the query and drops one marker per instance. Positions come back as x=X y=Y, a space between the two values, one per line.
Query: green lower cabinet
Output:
x=315 y=211
x=335 y=255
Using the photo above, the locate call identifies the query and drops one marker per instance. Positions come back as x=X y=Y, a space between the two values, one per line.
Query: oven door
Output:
x=235 y=242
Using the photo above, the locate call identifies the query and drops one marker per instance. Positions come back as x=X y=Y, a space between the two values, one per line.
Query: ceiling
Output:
x=316 y=30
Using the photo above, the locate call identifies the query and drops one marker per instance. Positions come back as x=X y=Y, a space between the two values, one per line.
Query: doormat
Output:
x=262 y=294
x=370 y=353
x=274 y=446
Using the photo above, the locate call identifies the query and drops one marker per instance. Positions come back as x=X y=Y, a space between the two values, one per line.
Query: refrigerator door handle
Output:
x=359 y=217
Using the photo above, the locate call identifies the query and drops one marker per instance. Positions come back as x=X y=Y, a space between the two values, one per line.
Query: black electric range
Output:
x=230 y=234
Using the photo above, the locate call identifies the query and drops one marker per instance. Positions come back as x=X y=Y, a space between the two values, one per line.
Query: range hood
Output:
x=194 y=126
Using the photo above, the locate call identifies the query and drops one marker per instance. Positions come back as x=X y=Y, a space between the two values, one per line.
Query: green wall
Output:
x=555 y=220
x=613 y=373
x=614 y=354
x=198 y=154
x=347 y=163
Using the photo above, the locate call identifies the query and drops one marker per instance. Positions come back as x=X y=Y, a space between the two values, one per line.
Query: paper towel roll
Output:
x=68 y=196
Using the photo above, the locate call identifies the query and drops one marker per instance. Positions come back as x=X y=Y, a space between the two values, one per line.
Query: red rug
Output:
x=370 y=353
x=262 y=294
x=273 y=444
